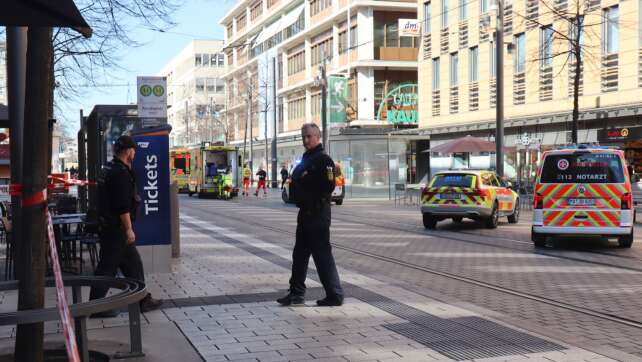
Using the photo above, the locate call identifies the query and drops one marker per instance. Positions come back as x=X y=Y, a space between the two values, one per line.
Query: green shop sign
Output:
x=400 y=105
x=337 y=97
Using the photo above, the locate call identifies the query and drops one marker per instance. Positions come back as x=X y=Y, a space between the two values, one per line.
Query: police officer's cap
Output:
x=123 y=143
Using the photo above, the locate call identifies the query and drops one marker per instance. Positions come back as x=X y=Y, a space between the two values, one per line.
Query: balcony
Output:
x=385 y=53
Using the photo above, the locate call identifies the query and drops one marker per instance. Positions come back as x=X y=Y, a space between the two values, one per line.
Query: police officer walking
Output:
x=313 y=183
x=117 y=204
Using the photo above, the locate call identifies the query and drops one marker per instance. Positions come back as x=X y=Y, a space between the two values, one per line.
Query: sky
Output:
x=196 y=19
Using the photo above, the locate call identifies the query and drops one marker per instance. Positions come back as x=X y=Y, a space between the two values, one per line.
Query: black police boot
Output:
x=334 y=301
x=149 y=304
x=291 y=300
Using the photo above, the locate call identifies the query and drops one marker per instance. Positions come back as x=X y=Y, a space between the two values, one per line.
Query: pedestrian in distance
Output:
x=313 y=181
x=262 y=182
x=118 y=201
x=247 y=173
x=284 y=176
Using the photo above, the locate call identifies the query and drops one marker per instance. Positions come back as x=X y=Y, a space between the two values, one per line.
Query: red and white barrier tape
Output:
x=71 y=182
x=61 y=298
x=39 y=198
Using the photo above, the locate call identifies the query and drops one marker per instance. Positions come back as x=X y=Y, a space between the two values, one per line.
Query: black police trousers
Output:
x=115 y=253
x=313 y=238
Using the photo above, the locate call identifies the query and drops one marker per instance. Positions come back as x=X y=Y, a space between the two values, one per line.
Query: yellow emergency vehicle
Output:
x=179 y=167
x=214 y=171
x=476 y=195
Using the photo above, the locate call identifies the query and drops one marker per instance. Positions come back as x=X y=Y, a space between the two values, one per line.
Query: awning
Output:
x=59 y=13
x=279 y=25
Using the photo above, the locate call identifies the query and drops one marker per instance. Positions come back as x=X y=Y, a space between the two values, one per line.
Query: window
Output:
x=473 y=59
x=444 y=14
x=483 y=6
x=435 y=74
x=206 y=60
x=230 y=30
x=256 y=10
x=198 y=60
x=296 y=108
x=454 y=69
x=241 y=21
x=220 y=60
x=546 y=46
x=520 y=53
x=320 y=50
x=493 y=56
x=315 y=104
x=200 y=85
x=210 y=85
x=463 y=10
x=296 y=63
x=576 y=34
x=386 y=35
x=220 y=87
x=3 y=55
x=316 y=6
x=343 y=39
x=427 y=17
x=610 y=30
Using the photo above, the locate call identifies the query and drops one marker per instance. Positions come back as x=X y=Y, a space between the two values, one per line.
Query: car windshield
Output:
x=453 y=180
x=583 y=168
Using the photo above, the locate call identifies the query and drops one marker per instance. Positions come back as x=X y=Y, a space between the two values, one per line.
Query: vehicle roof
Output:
x=464 y=172
x=566 y=151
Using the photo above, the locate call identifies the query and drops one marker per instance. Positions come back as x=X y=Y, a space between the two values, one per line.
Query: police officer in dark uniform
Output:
x=313 y=183
x=117 y=205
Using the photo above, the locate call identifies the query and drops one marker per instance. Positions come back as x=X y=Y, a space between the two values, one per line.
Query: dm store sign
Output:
x=151 y=165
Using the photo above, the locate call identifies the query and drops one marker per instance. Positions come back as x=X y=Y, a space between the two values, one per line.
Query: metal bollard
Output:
x=174 y=215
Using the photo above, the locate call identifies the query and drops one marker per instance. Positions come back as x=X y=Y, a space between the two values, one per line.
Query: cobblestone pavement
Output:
x=600 y=285
x=235 y=261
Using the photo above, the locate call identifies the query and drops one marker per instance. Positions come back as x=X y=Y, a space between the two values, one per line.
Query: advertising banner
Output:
x=338 y=99
x=151 y=165
x=152 y=97
x=409 y=27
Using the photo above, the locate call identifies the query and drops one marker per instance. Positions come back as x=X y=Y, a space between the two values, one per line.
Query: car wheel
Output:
x=429 y=221
x=514 y=217
x=493 y=220
x=626 y=241
x=538 y=239
x=458 y=219
x=339 y=202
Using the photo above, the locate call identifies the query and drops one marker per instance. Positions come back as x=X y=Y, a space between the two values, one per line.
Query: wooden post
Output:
x=32 y=259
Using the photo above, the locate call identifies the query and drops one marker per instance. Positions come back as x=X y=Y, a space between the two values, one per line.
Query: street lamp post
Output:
x=499 y=83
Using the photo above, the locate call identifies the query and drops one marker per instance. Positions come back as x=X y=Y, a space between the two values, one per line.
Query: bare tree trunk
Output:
x=30 y=337
x=577 y=49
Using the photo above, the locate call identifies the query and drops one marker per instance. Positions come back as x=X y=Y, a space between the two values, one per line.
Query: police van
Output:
x=583 y=190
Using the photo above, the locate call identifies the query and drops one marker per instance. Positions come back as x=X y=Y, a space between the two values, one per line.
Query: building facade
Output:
x=196 y=93
x=274 y=51
x=457 y=75
x=3 y=73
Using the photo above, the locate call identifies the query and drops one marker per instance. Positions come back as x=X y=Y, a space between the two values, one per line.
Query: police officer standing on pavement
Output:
x=313 y=183
x=117 y=205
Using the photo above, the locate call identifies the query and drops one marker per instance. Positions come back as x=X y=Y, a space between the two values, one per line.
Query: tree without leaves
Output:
x=80 y=61
x=573 y=36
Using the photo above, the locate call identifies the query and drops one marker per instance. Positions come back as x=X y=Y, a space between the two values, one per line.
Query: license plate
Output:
x=581 y=202
x=450 y=196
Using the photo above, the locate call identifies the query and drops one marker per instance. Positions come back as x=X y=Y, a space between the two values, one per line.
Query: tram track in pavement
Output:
x=447 y=234
x=479 y=283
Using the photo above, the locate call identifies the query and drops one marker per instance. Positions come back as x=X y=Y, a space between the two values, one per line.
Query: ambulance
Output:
x=583 y=190
x=476 y=195
x=179 y=167
x=214 y=171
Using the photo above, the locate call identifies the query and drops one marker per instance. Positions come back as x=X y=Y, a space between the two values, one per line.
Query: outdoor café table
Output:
x=67 y=243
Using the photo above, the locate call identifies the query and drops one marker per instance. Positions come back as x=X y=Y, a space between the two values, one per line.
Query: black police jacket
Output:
x=313 y=180
x=117 y=193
